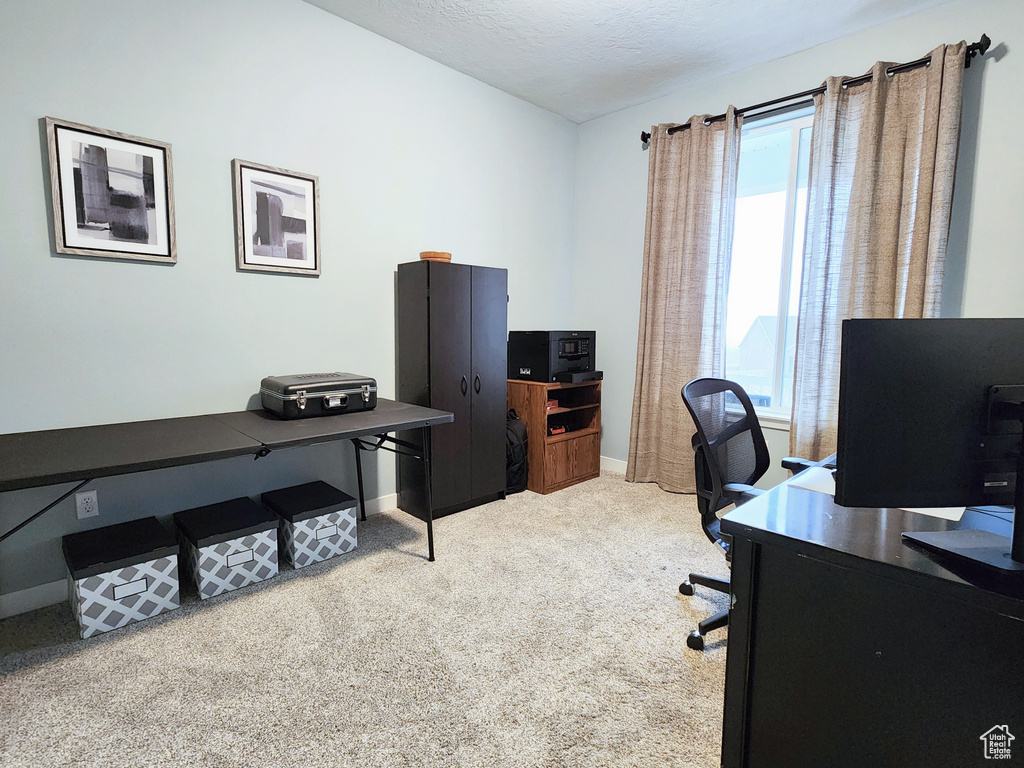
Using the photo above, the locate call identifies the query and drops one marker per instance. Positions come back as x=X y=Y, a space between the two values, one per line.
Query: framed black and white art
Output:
x=112 y=193
x=277 y=217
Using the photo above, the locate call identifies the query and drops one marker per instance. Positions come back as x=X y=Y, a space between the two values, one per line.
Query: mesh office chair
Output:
x=730 y=456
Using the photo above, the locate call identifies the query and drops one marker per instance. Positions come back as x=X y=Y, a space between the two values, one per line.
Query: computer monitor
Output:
x=930 y=416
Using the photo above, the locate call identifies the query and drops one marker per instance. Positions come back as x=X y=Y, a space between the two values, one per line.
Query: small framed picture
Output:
x=112 y=193
x=277 y=215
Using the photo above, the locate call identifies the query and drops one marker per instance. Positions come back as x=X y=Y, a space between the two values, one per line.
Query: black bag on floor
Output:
x=515 y=453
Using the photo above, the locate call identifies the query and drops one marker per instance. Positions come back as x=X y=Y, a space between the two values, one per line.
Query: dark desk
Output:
x=388 y=416
x=31 y=459
x=848 y=648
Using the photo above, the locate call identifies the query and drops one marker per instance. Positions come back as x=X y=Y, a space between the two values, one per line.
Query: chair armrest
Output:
x=796 y=465
x=739 y=492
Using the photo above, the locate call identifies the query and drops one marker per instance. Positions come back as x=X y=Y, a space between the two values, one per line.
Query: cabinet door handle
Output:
x=476 y=384
x=464 y=385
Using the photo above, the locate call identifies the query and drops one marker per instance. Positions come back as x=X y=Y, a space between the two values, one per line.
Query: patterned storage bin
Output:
x=317 y=521
x=227 y=545
x=121 y=574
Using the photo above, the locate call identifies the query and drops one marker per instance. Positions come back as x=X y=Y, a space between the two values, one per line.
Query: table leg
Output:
x=44 y=510
x=425 y=441
x=359 y=479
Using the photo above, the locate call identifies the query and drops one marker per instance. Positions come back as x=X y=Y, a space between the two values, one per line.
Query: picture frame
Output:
x=113 y=193
x=277 y=219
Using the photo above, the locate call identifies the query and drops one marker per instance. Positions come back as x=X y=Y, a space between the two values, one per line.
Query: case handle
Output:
x=476 y=384
x=464 y=385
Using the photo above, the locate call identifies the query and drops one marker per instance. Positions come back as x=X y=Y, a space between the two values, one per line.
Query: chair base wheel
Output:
x=686 y=588
x=695 y=641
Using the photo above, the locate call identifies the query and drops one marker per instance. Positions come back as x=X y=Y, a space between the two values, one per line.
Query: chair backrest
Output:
x=729 y=445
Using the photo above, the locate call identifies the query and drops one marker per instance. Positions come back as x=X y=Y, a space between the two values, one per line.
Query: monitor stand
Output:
x=1000 y=556
x=970 y=547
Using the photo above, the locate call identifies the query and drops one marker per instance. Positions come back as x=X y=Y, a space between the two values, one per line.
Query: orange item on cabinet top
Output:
x=435 y=256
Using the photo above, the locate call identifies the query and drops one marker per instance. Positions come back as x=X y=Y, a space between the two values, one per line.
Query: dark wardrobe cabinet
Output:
x=452 y=322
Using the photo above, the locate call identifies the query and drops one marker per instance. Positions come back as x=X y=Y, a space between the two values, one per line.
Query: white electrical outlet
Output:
x=87 y=504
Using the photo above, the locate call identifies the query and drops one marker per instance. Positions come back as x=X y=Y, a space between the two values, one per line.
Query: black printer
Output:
x=552 y=355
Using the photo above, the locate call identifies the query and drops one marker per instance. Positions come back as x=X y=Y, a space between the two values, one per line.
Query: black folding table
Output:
x=82 y=454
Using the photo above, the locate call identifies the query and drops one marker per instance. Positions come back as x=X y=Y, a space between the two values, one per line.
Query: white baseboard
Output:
x=613 y=465
x=381 y=504
x=32 y=598
x=55 y=592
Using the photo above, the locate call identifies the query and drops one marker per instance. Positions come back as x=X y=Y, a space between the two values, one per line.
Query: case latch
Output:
x=302 y=399
x=366 y=393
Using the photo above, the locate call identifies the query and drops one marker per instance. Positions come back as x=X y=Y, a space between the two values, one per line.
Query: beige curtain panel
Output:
x=883 y=158
x=691 y=198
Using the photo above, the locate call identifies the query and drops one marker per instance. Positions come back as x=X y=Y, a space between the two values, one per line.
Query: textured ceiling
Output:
x=585 y=58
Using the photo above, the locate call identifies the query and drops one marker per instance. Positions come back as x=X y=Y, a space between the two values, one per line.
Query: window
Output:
x=764 y=278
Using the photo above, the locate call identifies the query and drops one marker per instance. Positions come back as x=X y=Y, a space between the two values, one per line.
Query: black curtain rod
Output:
x=974 y=49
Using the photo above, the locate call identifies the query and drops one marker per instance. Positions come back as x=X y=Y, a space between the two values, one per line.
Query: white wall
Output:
x=985 y=271
x=411 y=156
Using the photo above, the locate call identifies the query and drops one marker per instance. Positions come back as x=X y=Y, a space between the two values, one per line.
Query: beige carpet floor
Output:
x=549 y=632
